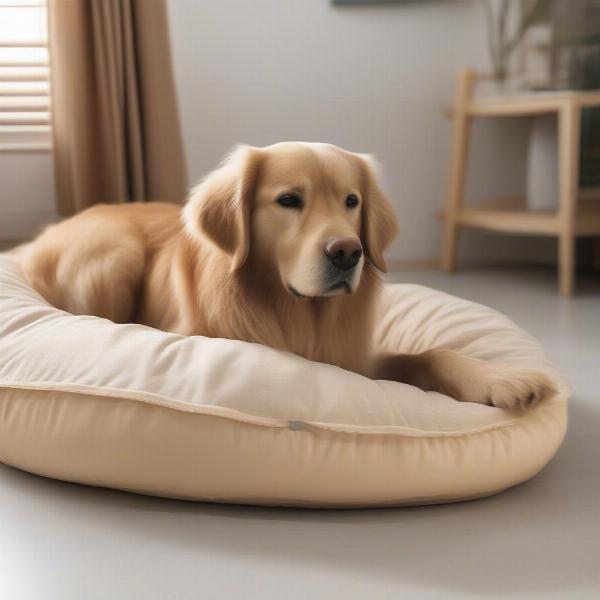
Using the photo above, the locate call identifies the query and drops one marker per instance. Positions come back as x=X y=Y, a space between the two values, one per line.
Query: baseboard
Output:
x=19 y=226
x=411 y=264
x=23 y=225
x=425 y=264
x=9 y=244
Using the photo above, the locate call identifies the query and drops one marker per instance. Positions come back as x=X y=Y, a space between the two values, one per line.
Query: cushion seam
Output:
x=158 y=400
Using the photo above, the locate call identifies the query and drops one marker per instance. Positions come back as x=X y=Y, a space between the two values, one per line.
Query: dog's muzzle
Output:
x=343 y=255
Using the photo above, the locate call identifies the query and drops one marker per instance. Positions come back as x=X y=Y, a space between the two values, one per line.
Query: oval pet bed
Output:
x=130 y=407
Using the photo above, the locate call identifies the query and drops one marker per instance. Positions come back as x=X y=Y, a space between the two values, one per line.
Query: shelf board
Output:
x=489 y=218
x=534 y=103
x=509 y=221
x=531 y=104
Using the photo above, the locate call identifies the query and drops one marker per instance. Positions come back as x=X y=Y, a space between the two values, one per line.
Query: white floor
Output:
x=541 y=539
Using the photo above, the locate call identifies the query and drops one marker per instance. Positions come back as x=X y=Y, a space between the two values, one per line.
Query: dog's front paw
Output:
x=468 y=379
x=515 y=389
x=505 y=387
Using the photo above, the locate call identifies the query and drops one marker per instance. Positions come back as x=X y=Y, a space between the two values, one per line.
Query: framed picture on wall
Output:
x=342 y=2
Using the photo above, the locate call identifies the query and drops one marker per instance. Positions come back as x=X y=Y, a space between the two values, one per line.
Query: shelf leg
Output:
x=569 y=136
x=458 y=165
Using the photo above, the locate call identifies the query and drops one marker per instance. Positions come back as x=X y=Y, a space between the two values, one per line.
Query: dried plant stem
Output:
x=501 y=45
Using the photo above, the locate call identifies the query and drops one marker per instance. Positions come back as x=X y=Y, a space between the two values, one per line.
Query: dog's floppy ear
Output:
x=379 y=222
x=220 y=207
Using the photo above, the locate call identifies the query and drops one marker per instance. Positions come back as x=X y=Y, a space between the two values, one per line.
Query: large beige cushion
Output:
x=129 y=407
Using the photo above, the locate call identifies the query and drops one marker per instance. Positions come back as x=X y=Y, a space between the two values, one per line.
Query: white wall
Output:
x=368 y=78
x=371 y=79
x=26 y=193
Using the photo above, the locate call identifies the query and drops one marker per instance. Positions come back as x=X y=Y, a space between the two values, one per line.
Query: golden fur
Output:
x=235 y=263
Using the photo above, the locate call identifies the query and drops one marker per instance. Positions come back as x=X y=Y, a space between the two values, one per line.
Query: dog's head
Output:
x=311 y=213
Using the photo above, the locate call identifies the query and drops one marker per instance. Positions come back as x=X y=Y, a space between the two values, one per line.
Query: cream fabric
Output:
x=134 y=408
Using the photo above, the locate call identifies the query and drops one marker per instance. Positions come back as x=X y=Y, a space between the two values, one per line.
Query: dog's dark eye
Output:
x=290 y=201
x=351 y=201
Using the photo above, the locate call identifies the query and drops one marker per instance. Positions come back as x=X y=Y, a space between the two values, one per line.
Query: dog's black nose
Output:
x=343 y=253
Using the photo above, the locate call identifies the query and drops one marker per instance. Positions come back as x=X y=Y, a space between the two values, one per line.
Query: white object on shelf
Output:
x=536 y=56
x=542 y=164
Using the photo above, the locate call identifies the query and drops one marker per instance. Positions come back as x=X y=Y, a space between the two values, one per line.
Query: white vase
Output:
x=542 y=164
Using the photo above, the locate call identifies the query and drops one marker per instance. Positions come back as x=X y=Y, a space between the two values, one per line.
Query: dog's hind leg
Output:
x=98 y=275
x=107 y=285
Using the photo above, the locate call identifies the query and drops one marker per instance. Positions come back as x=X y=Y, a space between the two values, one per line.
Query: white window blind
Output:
x=24 y=75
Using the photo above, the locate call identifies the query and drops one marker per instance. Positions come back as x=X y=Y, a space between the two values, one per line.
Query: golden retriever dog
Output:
x=280 y=245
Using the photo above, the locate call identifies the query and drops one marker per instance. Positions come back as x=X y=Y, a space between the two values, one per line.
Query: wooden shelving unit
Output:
x=567 y=223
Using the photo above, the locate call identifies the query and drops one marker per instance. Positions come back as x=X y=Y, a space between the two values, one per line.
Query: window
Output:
x=24 y=75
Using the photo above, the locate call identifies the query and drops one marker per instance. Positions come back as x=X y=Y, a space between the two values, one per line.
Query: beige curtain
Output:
x=114 y=110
